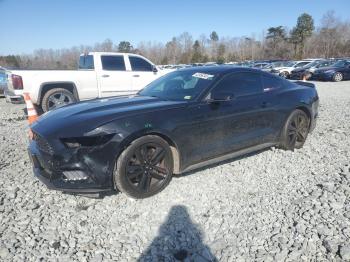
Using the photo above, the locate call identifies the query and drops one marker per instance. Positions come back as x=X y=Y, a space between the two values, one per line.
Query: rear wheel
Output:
x=338 y=77
x=295 y=130
x=56 y=98
x=144 y=168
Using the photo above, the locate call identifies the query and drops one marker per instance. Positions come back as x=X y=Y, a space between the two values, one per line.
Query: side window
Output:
x=114 y=63
x=240 y=84
x=86 y=62
x=139 y=64
x=271 y=83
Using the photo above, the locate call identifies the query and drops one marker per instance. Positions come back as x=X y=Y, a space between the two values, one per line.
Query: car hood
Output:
x=83 y=117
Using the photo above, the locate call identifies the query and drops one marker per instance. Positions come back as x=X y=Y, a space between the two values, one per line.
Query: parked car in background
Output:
x=182 y=121
x=307 y=70
x=13 y=89
x=286 y=70
x=3 y=81
x=100 y=74
x=270 y=66
x=337 y=72
x=261 y=65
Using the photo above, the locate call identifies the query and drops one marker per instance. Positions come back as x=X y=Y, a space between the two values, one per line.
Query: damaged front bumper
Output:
x=74 y=170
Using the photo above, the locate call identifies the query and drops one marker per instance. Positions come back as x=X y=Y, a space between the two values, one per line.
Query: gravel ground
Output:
x=271 y=206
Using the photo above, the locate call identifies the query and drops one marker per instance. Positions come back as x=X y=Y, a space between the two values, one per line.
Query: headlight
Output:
x=86 y=141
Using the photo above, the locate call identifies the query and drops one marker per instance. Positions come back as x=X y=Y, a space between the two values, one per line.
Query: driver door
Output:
x=225 y=126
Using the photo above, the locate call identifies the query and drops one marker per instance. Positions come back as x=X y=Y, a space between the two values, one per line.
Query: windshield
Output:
x=283 y=64
x=179 y=85
x=312 y=64
x=300 y=64
x=340 y=63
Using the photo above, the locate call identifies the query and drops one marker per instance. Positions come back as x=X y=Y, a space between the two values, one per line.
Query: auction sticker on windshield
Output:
x=203 y=76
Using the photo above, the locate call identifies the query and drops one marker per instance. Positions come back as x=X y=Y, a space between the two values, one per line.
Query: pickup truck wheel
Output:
x=56 y=98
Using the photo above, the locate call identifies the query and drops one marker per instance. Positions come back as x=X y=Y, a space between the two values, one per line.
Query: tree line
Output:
x=330 y=39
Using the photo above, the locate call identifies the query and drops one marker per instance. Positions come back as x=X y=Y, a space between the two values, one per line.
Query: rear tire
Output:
x=57 y=97
x=295 y=130
x=144 y=168
x=338 y=77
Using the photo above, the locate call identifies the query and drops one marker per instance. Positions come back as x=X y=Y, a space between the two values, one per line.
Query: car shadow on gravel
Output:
x=221 y=163
x=179 y=239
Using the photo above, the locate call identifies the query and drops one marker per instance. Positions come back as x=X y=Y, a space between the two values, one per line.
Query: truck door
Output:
x=142 y=72
x=114 y=79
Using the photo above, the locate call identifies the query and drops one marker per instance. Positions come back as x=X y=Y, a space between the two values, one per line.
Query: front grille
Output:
x=42 y=144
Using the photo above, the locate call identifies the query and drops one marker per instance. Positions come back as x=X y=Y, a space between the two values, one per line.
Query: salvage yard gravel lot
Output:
x=272 y=205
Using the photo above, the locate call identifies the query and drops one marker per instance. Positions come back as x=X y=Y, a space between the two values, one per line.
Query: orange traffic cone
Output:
x=31 y=112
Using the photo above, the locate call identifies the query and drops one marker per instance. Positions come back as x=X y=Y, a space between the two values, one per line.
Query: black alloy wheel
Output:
x=296 y=130
x=145 y=167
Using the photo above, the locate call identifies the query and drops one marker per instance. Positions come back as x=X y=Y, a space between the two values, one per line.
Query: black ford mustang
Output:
x=182 y=121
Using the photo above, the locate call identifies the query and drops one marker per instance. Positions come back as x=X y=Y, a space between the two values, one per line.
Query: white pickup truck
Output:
x=100 y=74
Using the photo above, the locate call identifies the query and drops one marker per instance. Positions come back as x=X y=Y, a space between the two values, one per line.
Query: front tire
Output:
x=56 y=98
x=338 y=77
x=295 y=130
x=144 y=168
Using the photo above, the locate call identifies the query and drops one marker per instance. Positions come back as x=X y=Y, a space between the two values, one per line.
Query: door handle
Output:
x=105 y=75
x=136 y=75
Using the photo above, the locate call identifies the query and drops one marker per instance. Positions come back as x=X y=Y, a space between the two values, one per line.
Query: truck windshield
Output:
x=86 y=62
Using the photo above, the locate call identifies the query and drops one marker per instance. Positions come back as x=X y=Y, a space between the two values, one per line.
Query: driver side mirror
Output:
x=154 y=69
x=220 y=97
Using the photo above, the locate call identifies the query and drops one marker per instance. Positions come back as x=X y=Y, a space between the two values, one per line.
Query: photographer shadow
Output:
x=179 y=239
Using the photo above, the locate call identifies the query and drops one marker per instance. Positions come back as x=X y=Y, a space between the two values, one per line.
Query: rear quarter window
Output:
x=86 y=62
x=271 y=83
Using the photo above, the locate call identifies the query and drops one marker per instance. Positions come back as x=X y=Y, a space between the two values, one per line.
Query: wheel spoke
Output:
x=62 y=98
x=293 y=140
x=301 y=136
x=155 y=175
x=53 y=99
x=141 y=154
x=134 y=171
x=144 y=182
x=157 y=156
x=161 y=170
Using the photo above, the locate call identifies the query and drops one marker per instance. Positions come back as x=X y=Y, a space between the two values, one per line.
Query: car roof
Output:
x=220 y=69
